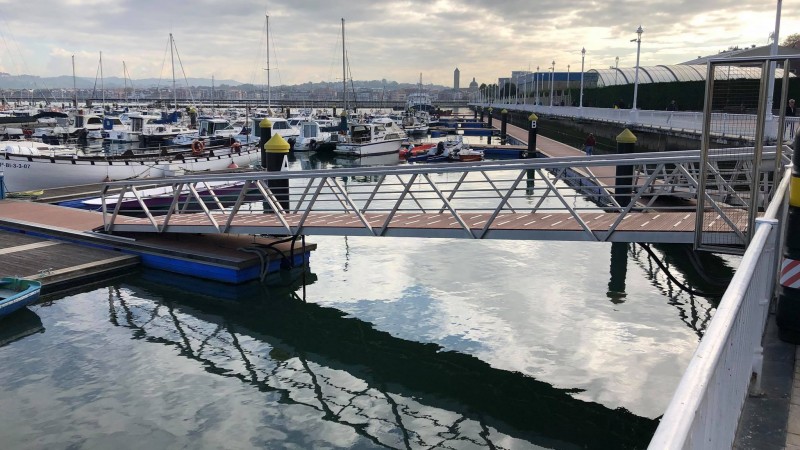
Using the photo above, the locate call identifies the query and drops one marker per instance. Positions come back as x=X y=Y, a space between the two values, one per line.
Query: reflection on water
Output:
x=399 y=343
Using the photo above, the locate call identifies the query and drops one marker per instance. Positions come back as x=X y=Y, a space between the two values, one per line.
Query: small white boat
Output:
x=365 y=139
x=311 y=137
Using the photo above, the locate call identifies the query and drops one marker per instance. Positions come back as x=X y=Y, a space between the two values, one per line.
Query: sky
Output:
x=393 y=40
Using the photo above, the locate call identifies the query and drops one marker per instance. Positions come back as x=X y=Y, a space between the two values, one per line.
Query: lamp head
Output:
x=639 y=31
x=583 y=51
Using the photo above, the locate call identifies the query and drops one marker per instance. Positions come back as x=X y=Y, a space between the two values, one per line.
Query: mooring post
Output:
x=489 y=138
x=503 y=123
x=623 y=192
x=475 y=113
x=532 y=132
x=619 y=270
x=278 y=160
x=266 y=133
x=788 y=314
x=482 y=115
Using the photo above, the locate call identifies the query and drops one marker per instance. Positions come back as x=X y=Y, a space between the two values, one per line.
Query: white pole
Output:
x=536 y=86
x=583 y=57
x=638 y=40
x=567 y=103
x=552 y=74
x=773 y=51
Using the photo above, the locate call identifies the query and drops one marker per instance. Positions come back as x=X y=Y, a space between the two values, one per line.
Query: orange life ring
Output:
x=236 y=147
x=198 y=147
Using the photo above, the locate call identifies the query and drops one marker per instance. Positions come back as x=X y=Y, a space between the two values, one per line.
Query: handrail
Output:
x=702 y=415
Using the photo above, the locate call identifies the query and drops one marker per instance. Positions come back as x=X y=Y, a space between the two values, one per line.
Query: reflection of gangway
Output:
x=340 y=372
x=695 y=312
x=518 y=199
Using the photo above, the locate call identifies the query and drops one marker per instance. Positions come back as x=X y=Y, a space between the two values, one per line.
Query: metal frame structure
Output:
x=704 y=411
x=487 y=200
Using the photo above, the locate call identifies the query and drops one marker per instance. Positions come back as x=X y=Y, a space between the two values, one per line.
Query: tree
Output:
x=791 y=40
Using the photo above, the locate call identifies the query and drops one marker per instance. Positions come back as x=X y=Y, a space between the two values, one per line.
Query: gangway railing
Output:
x=490 y=192
x=728 y=125
x=704 y=411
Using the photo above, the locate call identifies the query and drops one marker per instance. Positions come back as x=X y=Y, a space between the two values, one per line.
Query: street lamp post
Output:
x=616 y=69
x=552 y=74
x=567 y=103
x=638 y=40
x=583 y=57
x=536 y=86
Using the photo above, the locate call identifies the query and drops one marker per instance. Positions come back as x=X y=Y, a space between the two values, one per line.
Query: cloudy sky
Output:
x=393 y=40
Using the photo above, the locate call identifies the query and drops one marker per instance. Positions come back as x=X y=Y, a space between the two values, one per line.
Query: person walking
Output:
x=791 y=112
x=588 y=144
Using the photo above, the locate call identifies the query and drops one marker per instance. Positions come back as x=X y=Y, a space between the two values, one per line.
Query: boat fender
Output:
x=197 y=147
x=236 y=147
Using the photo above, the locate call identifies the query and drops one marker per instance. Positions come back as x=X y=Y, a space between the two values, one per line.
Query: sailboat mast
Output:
x=213 y=97
x=172 y=58
x=74 y=87
x=102 y=89
x=125 y=81
x=269 y=86
x=344 y=73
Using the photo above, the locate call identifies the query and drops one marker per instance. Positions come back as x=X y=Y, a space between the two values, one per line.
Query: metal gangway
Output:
x=573 y=198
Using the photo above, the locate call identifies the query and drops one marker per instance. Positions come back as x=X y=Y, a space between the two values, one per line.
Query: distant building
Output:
x=473 y=85
x=456 y=78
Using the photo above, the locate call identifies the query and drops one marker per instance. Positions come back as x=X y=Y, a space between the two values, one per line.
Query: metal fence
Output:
x=705 y=409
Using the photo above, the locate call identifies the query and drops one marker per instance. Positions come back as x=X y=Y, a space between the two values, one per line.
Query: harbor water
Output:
x=380 y=343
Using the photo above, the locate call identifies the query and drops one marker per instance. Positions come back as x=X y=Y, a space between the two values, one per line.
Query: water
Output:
x=393 y=343
x=400 y=343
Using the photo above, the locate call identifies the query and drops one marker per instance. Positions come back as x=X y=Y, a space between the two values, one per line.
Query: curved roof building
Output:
x=665 y=74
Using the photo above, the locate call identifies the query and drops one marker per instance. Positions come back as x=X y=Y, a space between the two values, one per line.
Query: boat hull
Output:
x=370 y=148
x=27 y=172
x=16 y=293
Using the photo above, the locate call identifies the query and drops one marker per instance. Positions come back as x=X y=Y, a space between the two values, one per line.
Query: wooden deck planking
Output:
x=558 y=221
x=57 y=261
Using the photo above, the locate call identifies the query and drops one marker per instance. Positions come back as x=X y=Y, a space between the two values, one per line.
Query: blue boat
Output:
x=16 y=293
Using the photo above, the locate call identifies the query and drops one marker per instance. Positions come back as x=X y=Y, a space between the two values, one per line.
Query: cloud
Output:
x=395 y=40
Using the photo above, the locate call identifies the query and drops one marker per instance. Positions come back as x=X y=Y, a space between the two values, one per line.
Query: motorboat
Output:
x=312 y=137
x=364 y=139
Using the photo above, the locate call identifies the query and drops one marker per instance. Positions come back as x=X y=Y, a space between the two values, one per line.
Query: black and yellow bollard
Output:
x=788 y=314
x=533 y=131
x=265 y=134
x=623 y=192
x=277 y=150
x=503 y=124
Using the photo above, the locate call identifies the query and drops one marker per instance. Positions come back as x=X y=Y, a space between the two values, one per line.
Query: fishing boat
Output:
x=31 y=169
x=16 y=293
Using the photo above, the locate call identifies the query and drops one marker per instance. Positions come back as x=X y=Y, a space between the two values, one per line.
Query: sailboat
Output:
x=365 y=139
x=279 y=124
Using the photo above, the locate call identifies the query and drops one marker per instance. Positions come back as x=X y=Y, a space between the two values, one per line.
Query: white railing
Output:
x=706 y=407
x=727 y=125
